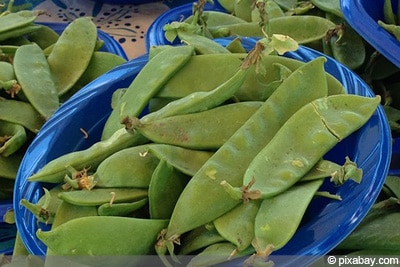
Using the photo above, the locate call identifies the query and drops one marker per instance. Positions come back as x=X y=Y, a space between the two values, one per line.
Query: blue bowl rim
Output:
x=359 y=19
x=326 y=242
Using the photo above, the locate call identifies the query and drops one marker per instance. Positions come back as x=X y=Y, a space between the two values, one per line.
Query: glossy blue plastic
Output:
x=155 y=33
x=363 y=15
x=327 y=222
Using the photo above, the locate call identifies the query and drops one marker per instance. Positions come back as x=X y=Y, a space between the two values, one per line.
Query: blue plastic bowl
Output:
x=363 y=15
x=327 y=222
x=155 y=33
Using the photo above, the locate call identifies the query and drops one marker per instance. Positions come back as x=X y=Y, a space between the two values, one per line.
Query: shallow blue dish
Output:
x=327 y=222
x=363 y=15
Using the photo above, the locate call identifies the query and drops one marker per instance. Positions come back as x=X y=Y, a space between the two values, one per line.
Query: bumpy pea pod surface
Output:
x=34 y=76
x=72 y=52
x=55 y=170
x=202 y=130
x=231 y=160
x=87 y=236
x=153 y=76
x=301 y=142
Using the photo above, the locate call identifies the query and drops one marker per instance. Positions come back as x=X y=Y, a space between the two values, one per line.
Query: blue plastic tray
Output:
x=327 y=222
x=363 y=15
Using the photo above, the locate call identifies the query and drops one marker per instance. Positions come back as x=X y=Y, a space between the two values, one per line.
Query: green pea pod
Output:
x=349 y=48
x=388 y=12
x=199 y=238
x=95 y=231
x=44 y=37
x=391 y=28
x=66 y=212
x=55 y=170
x=165 y=187
x=112 y=171
x=34 y=76
x=190 y=130
x=16 y=20
x=236 y=46
x=121 y=209
x=9 y=165
x=218 y=253
x=22 y=113
x=302 y=141
x=18 y=33
x=278 y=218
x=251 y=29
x=229 y=163
x=187 y=161
x=393 y=184
x=237 y=225
x=303 y=29
x=287 y=4
x=165 y=64
x=6 y=71
x=227 y=4
x=201 y=101
x=72 y=52
x=217 y=18
x=242 y=9
x=12 y=138
x=99 y=196
x=330 y=6
x=202 y=45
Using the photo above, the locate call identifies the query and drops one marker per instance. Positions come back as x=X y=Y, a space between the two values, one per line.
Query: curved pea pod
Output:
x=6 y=71
x=330 y=6
x=9 y=165
x=348 y=48
x=17 y=35
x=92 y=235
x=199 y=238
x=279 y=217
x=187 y=161
x=55 y=170
x=201 y=101
x=252 y=29
x=201 y=130
x=99 y=196
x=22 y=113
x=112 y=172
x=217 y=18
x=229 y=163
x=34 y=76
x=16 y=20
x=72 y=52
x=202 y=45
x=237 y=225
x=378 y=230
x=153 y=76
x=165 y=187
x=304 y=139
x=12 y=138
x=388 y=12
x=218 y=253
x=121 y=209
x=44 y=37
x=391 y=28
x=304 y=29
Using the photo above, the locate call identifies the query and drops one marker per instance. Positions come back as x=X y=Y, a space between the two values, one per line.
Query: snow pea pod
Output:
x=391 y=28
x=330 y=6
x=9 y=165
x=202 y=45
x=22 y=113
x=87 y=236
x=44 y=37
x=12 y=137
x=99 y=196
x=199 y=238
x=217 y=18
x=16 y=20
x=278 y=218
x=200 y=130
x=304 y=139
x=19 y=32
x=230 y=161
x=121 y=209
x=312 y=27
x=165 y=64
x=70 y=57
x=165 y=187
x=34 y=76
x=112 y=172
x=55 y=170
x=6 y=71
x=252 y=29
x=187 y=161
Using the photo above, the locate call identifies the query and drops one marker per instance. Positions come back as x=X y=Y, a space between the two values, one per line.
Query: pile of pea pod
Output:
x=39 y=70
x=196 y=160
